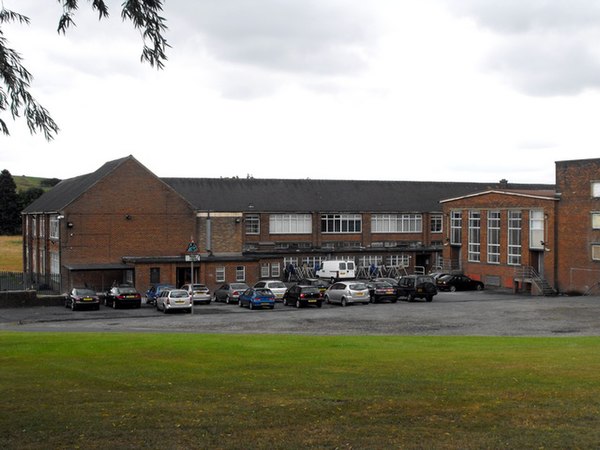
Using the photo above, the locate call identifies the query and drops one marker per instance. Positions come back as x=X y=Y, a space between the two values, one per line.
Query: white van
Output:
x=337 y=270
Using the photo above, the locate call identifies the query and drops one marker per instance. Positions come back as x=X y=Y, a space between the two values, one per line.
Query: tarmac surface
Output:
x=486 y=313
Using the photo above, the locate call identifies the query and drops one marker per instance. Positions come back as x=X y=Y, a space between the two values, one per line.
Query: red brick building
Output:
x=122 y=223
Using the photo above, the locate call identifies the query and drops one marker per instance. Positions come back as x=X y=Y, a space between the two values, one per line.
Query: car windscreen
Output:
x=239 y=286
x=264 y=292
x=127 y=290
x=84 y=292
x=358 y=286
x=278 y=284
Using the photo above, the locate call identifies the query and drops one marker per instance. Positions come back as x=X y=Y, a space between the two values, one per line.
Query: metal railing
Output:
x=18 y=281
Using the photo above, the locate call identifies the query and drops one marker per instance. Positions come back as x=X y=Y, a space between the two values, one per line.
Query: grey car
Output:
x=347 y=293
x=229 y=292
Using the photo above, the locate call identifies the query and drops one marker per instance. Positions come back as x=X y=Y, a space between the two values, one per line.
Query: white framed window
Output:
x=290 y=224
x=240 y=273
x=54 y=227
x=275 y=270
x=536 y=229
x=312 y=261
x=396 y=223
x=252 y=224
x=456 y=227
x=265 y=270
x=220 y=274
x=398 y=260
x=367 y=260
x=54 y=264
x=493 y=237
x=514 y=237
x=437 y=223
x=474 y=247
x=341 y=223
x=42 y=226
x=596 y=220
x=596 y=252
x=34 y=230
x=596 y=189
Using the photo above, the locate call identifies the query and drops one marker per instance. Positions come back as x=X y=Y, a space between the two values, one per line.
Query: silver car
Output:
x=277 y=287
x=199 y=292
x=174 y=299
x=347 y=292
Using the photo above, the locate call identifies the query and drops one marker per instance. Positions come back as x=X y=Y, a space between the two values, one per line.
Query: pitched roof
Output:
x=294 y=195
x=278 y=195
x=542 y=194
x=69 y=190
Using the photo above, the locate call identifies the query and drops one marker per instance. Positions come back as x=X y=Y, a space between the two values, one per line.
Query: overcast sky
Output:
x=448 y=90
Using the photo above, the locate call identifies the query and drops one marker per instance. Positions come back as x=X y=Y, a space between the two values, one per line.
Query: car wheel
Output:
x=97 y=308
x=327 y=300
x=372 y=300
x=227 y=300
x=164 y=308
x=429 y=298
x=298 y=304
x=452 y=288
x=344 y=302
x=479 y=287
x=410 y=297
x=394 y=300
x=240 y=304
x=114 y=304
x=319 y=304
x=73 y=306
x=250 y=305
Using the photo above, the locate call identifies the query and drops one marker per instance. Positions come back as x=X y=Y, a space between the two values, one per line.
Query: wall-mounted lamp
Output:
x=60 y=217
x=238 y=220
x=69 y=224
x=128 y=217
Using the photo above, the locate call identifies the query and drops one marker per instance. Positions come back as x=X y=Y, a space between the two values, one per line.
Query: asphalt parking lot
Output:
x=487 y=313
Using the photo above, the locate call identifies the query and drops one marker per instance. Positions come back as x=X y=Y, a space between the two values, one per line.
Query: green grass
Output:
x=11 y=253
x=175 y=391
x=24 y=182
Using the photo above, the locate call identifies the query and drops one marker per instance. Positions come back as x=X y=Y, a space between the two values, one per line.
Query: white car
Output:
x=174 y=299
x=199 y=292
x=347 y=292
x=277 y=287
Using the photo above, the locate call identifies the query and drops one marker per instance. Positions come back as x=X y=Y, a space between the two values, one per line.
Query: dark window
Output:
x=154 y=274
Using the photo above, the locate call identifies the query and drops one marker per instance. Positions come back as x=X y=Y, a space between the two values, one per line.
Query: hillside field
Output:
x=11 y=253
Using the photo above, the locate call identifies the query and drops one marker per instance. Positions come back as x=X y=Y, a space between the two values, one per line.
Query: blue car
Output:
x=154 y=291
x=257 y=298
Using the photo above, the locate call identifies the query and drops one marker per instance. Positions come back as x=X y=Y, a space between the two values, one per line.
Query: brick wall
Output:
x=576 y=270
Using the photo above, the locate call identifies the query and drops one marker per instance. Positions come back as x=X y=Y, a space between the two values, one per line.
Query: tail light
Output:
x=302 y=295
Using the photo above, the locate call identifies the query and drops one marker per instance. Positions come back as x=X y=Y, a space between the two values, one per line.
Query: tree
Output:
x=10 y=213
x=28 y=196
x=15 y=79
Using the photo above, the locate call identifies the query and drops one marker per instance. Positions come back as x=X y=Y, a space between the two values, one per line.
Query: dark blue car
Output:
x=257 y=298
x=154 y=292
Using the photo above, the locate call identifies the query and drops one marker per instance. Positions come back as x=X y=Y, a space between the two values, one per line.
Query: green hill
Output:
x=24 y=182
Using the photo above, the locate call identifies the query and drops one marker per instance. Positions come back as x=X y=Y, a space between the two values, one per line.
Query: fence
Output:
x=18 y=281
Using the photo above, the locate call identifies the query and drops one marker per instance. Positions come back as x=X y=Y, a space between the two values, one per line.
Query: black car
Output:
x=458 y=283
x=299 y=296
x=119 y=296
x=381 y=291
x=82 y=298
x=417 y=286
x=317 y=282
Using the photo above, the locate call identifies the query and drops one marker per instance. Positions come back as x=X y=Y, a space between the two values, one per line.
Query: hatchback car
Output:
x=317 y=282
x=154 y=292
x=82 y=298
x=174 y=299
x=229 y=292
x=119 y=296
x=199 y=292
x=347 y=292
x=277 y=287
x=381 y=291
x=299 y=296
x=458 y=283
x=257 y=298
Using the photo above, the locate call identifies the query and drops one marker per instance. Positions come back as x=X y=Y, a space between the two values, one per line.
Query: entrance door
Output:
x=537 y=262
x=183 y=275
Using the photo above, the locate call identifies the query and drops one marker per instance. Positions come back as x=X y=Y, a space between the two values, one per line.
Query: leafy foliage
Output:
x=10 y=212
x=15 y=79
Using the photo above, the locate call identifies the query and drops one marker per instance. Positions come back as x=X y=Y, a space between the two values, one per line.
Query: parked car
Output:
x=199 y=292
x=229 y=292
x=322 y=285
x=118 y=296
x=299 y=296
x=257 y=298
x=381 y=291
x=347 y=292
x=82 y=297
x=174 y=299
x=154 y=292
x=458 y=283
x=417 y=286
x=276 y=286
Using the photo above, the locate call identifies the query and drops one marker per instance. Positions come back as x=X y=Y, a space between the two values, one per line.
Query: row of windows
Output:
x=344 y=223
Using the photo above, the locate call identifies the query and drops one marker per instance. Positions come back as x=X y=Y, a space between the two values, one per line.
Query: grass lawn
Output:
x=176 y=391
x=11 y=253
